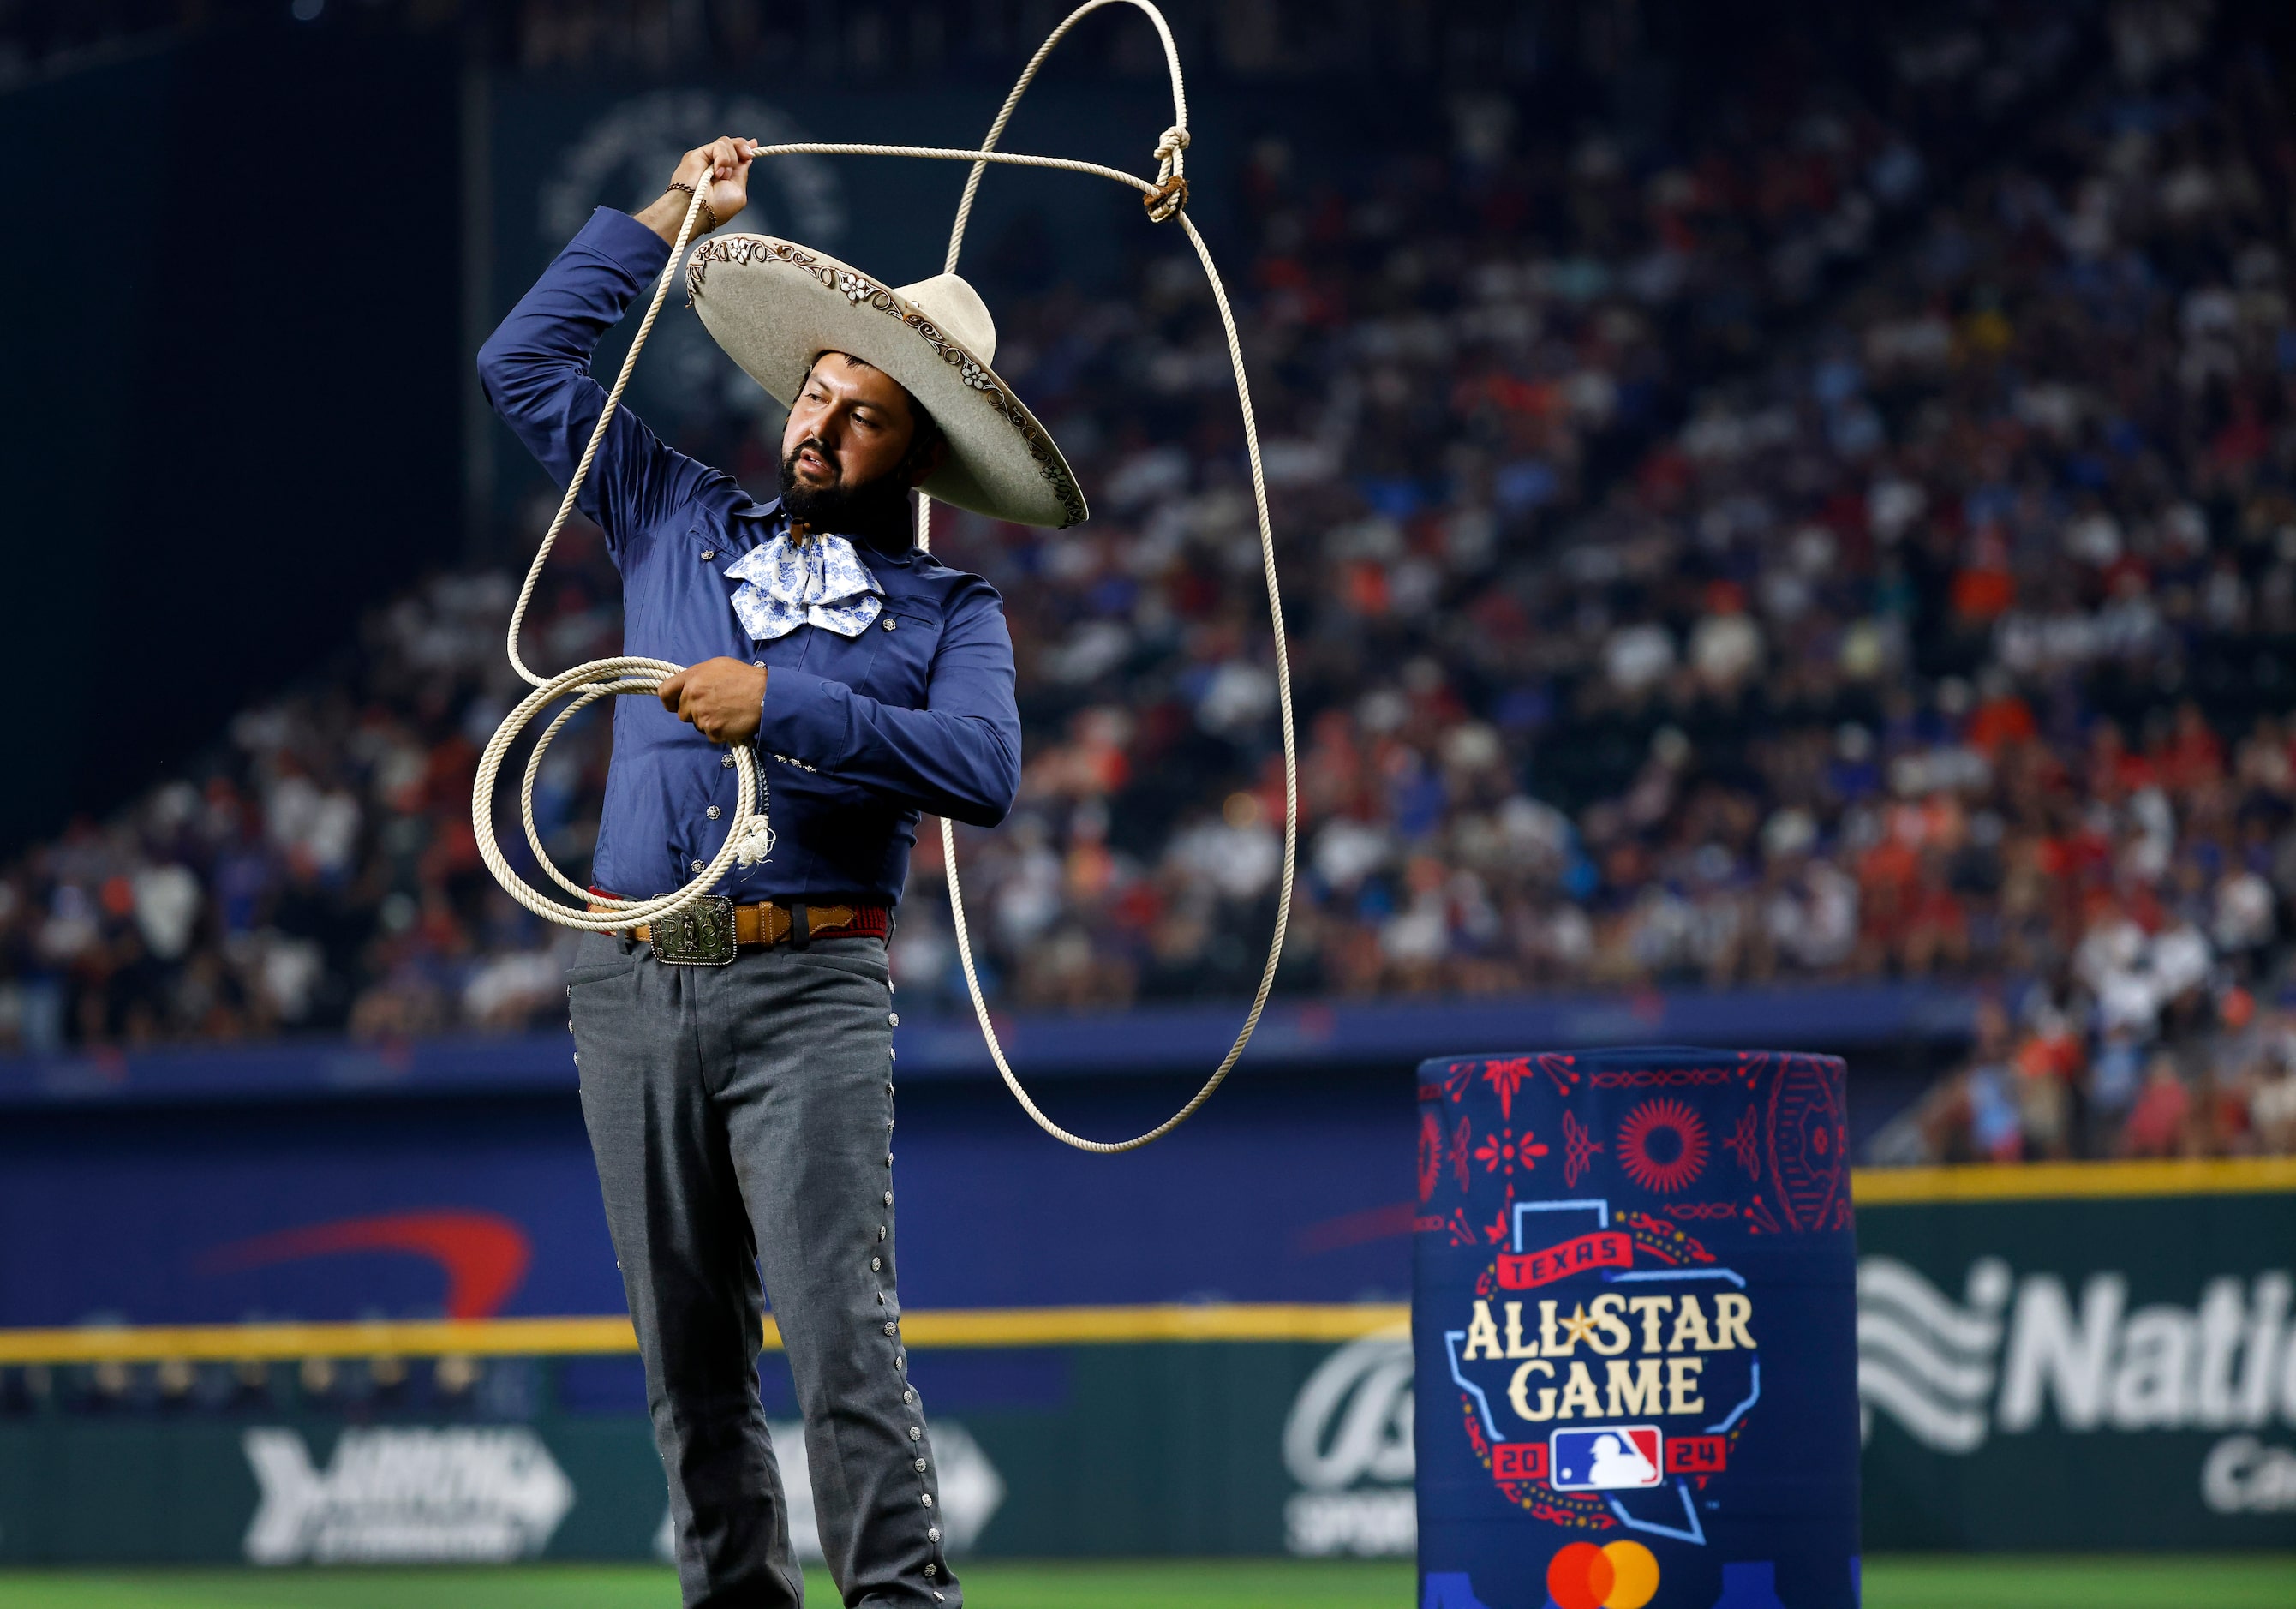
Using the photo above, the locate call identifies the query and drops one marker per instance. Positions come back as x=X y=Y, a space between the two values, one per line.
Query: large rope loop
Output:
x=750 y=836
x=1170 y=149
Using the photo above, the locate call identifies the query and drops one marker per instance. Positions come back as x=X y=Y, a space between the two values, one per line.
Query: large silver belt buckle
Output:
x=699 y=935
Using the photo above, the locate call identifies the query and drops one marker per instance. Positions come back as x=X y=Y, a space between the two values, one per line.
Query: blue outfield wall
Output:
x=327 y=1181
x=2062 y=1358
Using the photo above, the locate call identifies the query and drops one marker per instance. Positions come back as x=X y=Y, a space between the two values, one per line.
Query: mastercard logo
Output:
x=1618 y=1575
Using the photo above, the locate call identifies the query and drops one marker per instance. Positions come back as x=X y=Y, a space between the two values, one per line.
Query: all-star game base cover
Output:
x=1635 y=1321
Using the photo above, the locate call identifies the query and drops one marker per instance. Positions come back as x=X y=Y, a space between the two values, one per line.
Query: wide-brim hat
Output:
x=775 y=307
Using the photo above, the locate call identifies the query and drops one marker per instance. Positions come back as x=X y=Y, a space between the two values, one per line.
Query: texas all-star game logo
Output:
x=1606 y=1367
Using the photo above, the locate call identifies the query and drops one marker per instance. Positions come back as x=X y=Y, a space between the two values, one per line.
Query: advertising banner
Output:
x=1227 y=1447
x=2073 y=1359
x=2079 y=1357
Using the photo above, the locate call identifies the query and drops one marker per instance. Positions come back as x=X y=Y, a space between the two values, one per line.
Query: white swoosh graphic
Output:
x=1883 y=1280
x=1883 y=1340
x=1948 y=1430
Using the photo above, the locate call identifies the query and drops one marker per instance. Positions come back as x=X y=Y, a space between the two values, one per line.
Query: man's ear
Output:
x=927 y=463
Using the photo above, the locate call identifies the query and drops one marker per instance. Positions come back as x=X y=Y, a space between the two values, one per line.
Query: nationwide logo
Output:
x=1926 y=1362
x=406 y=1495
x=2011 y=1352
x=1601 y=1360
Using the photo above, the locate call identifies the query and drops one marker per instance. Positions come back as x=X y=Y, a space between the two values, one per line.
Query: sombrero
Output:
x=775 y=305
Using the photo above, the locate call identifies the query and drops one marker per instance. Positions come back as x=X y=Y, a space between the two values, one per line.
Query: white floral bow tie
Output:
x=801 y=579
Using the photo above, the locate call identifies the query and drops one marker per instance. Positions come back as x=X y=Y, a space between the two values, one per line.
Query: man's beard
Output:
x=876 y=511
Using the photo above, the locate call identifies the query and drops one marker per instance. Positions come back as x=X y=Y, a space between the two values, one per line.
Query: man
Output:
x=736 y=1068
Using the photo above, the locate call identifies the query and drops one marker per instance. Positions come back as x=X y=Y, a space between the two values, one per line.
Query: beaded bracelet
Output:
x=708 y=212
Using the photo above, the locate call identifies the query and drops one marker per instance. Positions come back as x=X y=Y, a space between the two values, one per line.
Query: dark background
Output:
x=232 y=366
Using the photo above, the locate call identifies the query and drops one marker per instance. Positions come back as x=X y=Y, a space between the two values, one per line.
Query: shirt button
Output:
x=888 y=622
x=697 y=866
x=727 y=760
x=709 y=554
x=892 y=1019
x=712 y=812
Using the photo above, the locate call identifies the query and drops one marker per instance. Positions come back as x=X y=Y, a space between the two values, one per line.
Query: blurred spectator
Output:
x=1849 y=532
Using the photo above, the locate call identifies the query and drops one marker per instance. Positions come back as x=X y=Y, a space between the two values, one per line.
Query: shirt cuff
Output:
x=806 y=717
x=624 y=241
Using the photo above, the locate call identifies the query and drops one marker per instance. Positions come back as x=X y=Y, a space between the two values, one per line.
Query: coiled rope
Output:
x=748 y=837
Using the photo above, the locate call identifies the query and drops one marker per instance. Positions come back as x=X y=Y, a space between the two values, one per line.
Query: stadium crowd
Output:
x=1856 y=542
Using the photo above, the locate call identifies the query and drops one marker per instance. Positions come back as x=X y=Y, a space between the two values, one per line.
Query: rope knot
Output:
x=1168 y=198
x=1172 y=191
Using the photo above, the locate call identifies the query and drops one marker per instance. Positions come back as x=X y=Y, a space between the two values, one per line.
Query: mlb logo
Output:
x=1614 y=1458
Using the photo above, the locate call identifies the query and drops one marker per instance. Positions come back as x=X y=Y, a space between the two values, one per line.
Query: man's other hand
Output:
x=719 y=698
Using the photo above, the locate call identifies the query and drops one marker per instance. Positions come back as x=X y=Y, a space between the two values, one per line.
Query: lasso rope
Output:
x=748 y=836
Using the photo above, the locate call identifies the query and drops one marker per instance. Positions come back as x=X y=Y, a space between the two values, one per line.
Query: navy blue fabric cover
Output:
x=1635 y=1320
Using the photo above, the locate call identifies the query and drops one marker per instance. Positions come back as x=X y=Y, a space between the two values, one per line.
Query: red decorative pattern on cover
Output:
x=1505 y=1077
x=1807 y=1139
x=1659 y=1077
x=1579 y=1149
x=1662 y=1145
x=1745 y=1143
x=1455 y=1080
x=1501 y=1151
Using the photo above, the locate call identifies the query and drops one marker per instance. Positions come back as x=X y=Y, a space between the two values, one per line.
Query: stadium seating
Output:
x=1857 y=540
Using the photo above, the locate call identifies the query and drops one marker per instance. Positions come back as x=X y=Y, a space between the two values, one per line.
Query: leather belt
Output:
x=704 y=928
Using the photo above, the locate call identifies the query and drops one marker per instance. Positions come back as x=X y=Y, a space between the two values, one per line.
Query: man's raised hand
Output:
x=720 y=171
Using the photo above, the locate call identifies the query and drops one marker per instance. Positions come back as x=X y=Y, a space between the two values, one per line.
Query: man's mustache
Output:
x=818 y=445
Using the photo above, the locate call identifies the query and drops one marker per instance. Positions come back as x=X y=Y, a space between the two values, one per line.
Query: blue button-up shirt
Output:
x=856 y=736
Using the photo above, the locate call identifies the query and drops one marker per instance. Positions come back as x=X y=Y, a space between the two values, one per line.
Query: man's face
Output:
x=851 y=425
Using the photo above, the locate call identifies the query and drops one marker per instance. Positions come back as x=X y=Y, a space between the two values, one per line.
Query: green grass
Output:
x=1240 y=1584
x=2147 y=1582
x=2099 y=1581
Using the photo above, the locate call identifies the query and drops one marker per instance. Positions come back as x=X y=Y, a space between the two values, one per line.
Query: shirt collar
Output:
x=776 y=522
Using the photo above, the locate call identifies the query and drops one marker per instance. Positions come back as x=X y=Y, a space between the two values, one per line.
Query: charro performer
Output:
x=737 y=1066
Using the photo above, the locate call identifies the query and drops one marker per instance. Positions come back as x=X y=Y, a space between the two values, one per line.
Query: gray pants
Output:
x=741 y=1118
